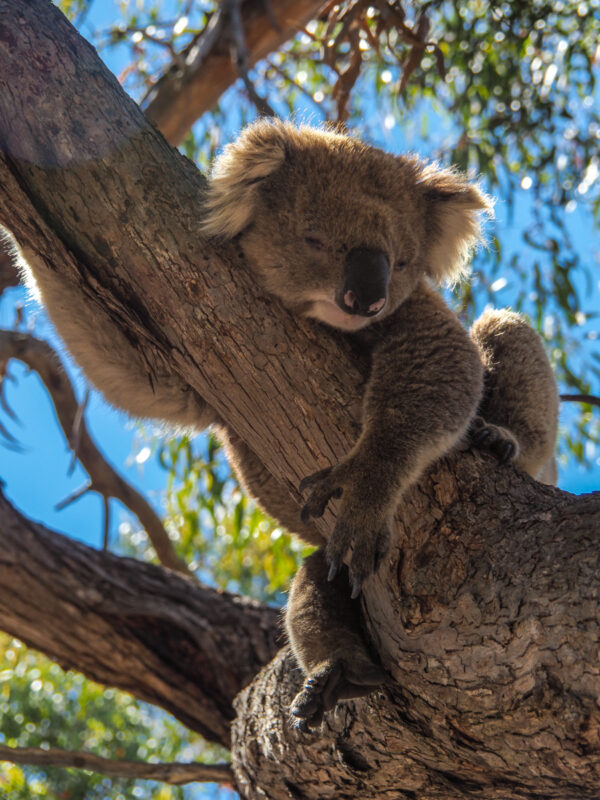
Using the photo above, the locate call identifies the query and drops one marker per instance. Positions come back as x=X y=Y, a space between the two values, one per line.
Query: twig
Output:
x=294 y=83
x=239 y=54
x=87 y=487
x=39 y=356
x=582 y=398
x=173 y=773
x=76 y=432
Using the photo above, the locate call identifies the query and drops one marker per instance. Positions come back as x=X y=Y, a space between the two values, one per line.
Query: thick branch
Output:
x=149 y=631
x=182 y=95
x=39 y=356
x=175 y=774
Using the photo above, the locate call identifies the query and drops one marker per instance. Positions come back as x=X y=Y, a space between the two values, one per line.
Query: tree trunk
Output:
x=486 y=611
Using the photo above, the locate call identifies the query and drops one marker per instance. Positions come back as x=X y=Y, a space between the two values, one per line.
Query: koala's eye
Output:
x=316 y=242
x=400 y=265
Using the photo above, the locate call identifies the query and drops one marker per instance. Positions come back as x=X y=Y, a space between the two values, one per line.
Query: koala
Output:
x=356 y=239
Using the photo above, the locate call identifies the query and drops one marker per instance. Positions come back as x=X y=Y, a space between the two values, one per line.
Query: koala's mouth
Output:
x=330 y=313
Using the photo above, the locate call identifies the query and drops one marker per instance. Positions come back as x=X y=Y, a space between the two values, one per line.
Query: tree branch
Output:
x=39 y=356
x=582 y=398
x=155 y=633
x=181 y=96
x=175 y=774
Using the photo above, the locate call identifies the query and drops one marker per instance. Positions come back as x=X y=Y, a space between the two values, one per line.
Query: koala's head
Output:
x=338 y=230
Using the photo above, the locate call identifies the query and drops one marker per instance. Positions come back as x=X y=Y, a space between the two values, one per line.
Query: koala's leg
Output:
x=324 y=629
x=109 y=360
x=518 y=416
x=271 y=494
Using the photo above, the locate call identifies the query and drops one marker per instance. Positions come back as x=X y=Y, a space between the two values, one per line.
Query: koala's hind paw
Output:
x=328 y=684
x=498 y=440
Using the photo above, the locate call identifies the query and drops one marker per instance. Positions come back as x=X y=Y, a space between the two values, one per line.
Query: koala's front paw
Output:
x=498 y=440
x=363 y=522
x=329 y=683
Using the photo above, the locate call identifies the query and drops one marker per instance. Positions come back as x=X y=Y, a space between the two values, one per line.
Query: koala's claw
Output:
x=334 y=568
x=369 y=538
x=361 y=525
x=331 y=683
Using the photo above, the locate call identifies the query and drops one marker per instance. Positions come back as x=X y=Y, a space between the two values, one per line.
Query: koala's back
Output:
x=520 y=391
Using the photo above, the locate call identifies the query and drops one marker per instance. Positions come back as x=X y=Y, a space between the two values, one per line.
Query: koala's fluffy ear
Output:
x=257 y=153
x=454 y=208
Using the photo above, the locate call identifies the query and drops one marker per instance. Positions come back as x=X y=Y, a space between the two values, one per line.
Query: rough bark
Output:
x=8 y=273
x=150 y=631
x=486 y=616
x=187 y=91
x=486 y=611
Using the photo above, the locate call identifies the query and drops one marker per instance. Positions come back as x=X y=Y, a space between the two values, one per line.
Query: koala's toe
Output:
x=316 y=477
x=320 y=693
x=498 y=440
x=506 y=451
x=323 y=488
x=338 y=545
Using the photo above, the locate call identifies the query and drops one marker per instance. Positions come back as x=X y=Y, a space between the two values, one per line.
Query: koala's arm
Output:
x=424 y=388
x=109 y=360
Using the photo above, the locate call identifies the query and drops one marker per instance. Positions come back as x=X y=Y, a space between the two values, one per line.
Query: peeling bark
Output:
x=486 y=612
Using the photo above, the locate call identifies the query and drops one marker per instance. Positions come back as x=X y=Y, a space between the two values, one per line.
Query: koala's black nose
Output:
x=364 y=286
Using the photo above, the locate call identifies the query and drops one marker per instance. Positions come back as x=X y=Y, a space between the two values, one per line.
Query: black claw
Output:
x=356 y=588
x=334 y=568
x=301 y=725
x=305 y=514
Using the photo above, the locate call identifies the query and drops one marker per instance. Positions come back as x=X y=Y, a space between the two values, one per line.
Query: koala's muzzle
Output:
x=364 y=286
